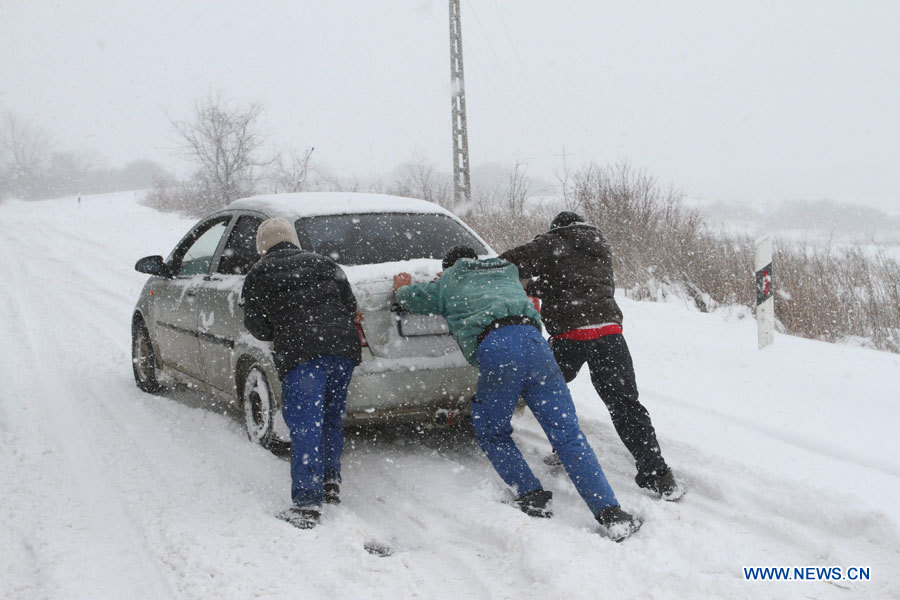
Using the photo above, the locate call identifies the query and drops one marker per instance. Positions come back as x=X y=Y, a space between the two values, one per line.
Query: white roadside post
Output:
x=765 y=302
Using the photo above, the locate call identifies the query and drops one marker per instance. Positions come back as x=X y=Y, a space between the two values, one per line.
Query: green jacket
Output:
x=471 y=295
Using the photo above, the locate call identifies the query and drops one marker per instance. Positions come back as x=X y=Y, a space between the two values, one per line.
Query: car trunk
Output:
x=394 y=334
x=372 y=247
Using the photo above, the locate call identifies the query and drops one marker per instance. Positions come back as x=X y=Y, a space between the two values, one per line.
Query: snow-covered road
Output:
x=791 y=457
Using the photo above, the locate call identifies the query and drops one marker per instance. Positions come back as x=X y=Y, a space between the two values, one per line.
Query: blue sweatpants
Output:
x=313 y=399
x=516 y=361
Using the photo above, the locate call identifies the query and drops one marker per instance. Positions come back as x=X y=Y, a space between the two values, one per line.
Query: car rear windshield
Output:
x=376 y=238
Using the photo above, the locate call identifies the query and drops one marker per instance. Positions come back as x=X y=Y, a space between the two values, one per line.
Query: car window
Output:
x=376 y=238
x=240 y=253
x=198 y=257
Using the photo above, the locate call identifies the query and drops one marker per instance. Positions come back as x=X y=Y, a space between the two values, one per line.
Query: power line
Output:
x=521 y=65
x=490 y=78
x=528 y=122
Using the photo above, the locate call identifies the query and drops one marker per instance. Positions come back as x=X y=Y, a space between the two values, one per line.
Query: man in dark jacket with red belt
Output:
x=302 y=302
x=572 y=264
x=499 y=330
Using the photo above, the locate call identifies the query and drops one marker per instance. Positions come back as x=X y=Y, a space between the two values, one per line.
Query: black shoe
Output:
x=617 y=524
x=663 y=485
x=301 y=518
x=552 y=460
x=332 y=492
x=536 y=504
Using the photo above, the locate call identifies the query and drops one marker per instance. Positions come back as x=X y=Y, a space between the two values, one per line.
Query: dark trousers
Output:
x=313 y=398
x=612 y=374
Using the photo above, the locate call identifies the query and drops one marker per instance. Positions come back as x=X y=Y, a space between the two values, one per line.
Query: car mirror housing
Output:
x=153 y=265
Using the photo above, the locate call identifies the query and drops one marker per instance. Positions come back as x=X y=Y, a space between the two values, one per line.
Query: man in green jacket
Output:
x=498 y=329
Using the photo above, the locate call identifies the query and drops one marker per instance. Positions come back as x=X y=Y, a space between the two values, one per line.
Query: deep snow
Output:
x=790 y=455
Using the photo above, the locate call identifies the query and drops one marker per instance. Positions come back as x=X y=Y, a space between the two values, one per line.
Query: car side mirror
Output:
x=153 y=265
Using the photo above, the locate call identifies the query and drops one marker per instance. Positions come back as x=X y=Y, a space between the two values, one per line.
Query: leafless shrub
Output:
x=502 y=231
x=654 y=236
x=184 y=197
x=836 y=294
x=662 y=248
x=290 y=172
x=418 y=178
x=518 y=190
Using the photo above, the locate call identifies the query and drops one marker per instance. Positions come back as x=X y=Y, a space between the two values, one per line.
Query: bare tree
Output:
x=518 y=190
x=224 y=140
x=67 y=172
x=420 y=179
x=569 y=202
x=291 y=173
x=25 y=151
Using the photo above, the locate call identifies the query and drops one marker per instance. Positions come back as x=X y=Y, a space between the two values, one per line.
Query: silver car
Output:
x=188 y=324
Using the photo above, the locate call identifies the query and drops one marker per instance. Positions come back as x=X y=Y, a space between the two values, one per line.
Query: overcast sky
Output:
x=738 y=101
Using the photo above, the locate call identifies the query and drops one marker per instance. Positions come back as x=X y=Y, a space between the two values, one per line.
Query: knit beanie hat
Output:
x=272 y=232
x=566 y=218
x=457 y=252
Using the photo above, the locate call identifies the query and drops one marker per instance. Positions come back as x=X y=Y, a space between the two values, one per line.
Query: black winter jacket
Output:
x=303 y=303
x=573 y=266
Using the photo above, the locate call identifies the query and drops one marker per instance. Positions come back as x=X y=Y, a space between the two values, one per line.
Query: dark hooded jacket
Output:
x=573 y=267
x=302 y=302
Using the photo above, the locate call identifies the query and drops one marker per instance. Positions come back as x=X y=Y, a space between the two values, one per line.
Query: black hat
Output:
x=457 y=252
x=566 y=218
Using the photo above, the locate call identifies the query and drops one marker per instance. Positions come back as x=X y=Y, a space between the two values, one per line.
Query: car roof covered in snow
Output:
x=306 y=204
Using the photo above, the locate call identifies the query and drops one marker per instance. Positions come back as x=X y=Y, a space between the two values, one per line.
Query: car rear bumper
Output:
x=410 y=393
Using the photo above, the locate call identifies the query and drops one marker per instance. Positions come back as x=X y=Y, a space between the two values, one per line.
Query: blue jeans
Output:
x=516 y=361
x=313 y=400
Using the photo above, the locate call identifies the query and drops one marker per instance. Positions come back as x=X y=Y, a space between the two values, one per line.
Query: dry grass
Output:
x=825 y=293
x=838 y=294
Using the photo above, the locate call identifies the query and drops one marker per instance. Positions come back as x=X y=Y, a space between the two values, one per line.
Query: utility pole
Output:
x=462 y=190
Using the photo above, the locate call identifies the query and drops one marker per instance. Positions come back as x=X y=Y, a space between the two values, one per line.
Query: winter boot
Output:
x=332 y=492
x=301 y=518
x=536 y=504
x=617 y=524
x=552 y=460
x=662 y=484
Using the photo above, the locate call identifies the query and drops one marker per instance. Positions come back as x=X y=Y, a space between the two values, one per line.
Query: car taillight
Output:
x=362 y=336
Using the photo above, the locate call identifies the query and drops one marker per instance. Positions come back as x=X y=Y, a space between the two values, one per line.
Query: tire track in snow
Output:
x=176 y=506
x=78 y=498
x=17 y=428
x=451 y=504
x=148 y=477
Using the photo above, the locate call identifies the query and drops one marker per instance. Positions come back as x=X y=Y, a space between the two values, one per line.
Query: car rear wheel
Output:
x=143 y=359
x=259 y=408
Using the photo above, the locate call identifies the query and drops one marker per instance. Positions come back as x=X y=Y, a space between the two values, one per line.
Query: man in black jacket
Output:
x=303 y=304
x=572 y=264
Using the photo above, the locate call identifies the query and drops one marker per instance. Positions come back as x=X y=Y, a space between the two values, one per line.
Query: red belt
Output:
x=590 y=333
